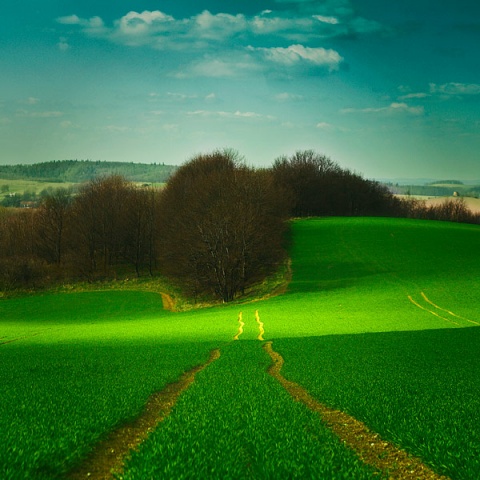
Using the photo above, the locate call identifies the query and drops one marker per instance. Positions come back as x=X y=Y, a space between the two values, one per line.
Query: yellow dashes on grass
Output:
x=448 y=311
x=260 y=326
x=240 y=327
x=427 y=300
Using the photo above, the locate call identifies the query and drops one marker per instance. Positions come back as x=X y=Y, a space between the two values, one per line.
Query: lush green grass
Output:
x=99 y=316
x=236 y=422
x=420 y=390
x=57 y=400
x=81 y=363
x=19 y=187
x=355 y=275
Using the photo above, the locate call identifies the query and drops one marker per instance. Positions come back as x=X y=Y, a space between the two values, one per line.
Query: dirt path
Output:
x=168 y=302
x=109 y=456
x=368 y=445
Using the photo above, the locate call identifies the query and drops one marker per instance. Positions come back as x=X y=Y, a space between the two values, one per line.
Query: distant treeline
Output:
x=217 y=228
x=79 y=171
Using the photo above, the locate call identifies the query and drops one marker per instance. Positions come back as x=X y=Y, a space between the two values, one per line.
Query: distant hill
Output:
x=438 y=188
x=78 y=171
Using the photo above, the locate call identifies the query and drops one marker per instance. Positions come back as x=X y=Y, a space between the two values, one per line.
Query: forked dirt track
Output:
x=368 y=445
x=109 y=456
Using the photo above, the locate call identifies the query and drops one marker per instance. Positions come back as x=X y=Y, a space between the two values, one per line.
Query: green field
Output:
x=380 y=320
x=20 y=186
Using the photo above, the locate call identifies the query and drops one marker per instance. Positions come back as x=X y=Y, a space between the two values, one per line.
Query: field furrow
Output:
x=431 y=311
x=368 y=445
x=236 y=421
x=108 y=456
x=447 y=311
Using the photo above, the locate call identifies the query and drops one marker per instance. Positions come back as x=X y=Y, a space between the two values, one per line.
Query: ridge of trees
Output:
x=218 y=227
x=78 y=171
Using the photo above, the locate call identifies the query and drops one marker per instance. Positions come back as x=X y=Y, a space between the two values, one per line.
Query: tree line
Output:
x=217 y=228
x=77 y=171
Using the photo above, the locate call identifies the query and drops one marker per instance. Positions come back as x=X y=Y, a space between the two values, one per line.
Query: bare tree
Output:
x=221 y=226
x=52 y=217
x=99 y=224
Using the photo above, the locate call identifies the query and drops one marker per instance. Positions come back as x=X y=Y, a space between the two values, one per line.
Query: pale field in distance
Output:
x=472 y=203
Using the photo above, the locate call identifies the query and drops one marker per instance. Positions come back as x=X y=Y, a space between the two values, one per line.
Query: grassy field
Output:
x=379 y=320
x=19 y=187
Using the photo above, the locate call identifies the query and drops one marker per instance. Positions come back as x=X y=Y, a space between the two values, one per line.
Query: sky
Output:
x=386 y=89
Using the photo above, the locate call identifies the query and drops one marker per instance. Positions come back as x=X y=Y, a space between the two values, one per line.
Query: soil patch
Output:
x=368 y=445
x=109 y=456
x=168 y=302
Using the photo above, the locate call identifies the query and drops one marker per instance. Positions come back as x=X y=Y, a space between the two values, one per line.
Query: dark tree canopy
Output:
x=319 y=186
x=223 y=225
x=216 y=229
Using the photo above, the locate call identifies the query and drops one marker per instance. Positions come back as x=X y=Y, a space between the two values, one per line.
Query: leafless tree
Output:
x=222 y=225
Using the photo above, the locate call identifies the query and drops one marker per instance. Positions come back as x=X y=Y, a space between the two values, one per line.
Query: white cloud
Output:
x=117 y=128
x=324 y=126
x=91 y=26
x=323 y=19
x=145 y=23
x=171 y=127
x=69 y=20
x=32 y=101
x=295 y=54
x=162 y=31
x=46 y=114
x=236 y=114
x=455 y=89
x=227 y=45
x=232 y=65
x=287 y=97
x=217 y=27
x=410 y=96
x=180 y=96
x=395 y=107
x=63 y=44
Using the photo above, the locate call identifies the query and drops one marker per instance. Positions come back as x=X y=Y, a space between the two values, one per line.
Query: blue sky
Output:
x=387 y=89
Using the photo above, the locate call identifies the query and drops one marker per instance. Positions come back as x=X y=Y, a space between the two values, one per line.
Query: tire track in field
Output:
x=368 y=445
x=448 y=311
x=240 y=326
x=36 y=334
x=108 y=456
x=20 y=338
x=431 y=311
x=260 y=326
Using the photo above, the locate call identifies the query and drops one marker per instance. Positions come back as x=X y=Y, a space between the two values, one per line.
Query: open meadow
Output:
x=379 y=321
